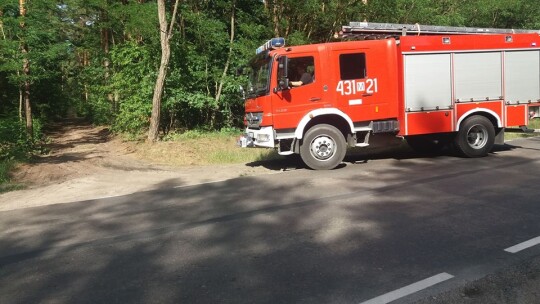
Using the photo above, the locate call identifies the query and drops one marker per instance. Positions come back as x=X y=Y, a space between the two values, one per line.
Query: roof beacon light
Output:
x=271 y=44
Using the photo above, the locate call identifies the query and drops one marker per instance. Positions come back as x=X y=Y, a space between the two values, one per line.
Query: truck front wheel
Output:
x=476 y=137
x=323 y=147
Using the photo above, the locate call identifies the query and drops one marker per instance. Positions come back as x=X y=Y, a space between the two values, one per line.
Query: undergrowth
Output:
x=5 y=183
x=16 y=146
x=5 y=167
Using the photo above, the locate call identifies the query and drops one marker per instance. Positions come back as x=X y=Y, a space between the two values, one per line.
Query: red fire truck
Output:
x=431 y=85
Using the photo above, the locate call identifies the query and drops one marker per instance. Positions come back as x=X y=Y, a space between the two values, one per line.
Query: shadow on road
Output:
x=333 y=236
x=363 y=155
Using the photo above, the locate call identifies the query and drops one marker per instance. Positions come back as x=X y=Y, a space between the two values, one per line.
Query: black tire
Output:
x=475 y=138
x=323 y=147
x=430 y=144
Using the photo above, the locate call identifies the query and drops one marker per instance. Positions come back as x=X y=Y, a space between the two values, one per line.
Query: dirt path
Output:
x=85 y=162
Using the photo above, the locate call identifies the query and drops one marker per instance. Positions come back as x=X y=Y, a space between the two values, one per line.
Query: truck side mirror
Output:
x=283 y=77
x=283 y=84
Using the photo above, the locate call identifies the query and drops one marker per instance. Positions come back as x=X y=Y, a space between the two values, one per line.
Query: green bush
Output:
x=5 y=167
x=16 y=144
x=14 y=141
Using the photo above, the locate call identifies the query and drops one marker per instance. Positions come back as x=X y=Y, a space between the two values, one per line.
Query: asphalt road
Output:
x=382 y=227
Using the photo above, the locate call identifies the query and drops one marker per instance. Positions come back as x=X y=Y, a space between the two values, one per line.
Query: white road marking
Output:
x=410 y=289
x=524 y=245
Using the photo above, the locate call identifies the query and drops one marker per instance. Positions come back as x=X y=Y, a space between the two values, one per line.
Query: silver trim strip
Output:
x=470 y=51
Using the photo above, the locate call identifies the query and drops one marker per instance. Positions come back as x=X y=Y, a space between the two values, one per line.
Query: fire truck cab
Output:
x=317 y=100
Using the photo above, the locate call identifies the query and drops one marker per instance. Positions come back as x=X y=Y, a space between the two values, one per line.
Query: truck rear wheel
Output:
x=323 y=147
x=476 y=137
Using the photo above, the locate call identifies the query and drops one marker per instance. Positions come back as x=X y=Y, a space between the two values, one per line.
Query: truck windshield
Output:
x=259 y=76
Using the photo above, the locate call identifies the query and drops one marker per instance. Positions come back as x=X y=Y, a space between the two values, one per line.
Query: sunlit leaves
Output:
x=101 y=56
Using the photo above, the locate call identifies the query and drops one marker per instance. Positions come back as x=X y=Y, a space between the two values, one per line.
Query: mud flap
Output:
x=499 y=138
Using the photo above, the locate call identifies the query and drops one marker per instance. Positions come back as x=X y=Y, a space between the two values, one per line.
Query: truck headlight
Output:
x=263 y=137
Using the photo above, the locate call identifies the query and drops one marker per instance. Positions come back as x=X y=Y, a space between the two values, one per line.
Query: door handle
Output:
x=314 y=99
x=367 y=94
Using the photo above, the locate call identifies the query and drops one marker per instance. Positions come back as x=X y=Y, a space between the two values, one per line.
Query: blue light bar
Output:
x=273 y=43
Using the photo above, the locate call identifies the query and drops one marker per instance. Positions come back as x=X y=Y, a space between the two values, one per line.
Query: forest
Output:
x=103 y=59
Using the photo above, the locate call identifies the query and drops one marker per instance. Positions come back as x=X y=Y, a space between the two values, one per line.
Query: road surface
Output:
x=400 y=228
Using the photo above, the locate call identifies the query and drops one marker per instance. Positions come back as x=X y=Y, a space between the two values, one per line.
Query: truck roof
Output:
x=329 y=45
x=445 y=43
x=433 y=43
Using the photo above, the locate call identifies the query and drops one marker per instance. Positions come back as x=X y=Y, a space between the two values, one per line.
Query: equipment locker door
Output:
x=365 y=80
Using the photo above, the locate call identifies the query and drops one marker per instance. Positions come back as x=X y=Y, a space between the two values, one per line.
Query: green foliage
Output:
x=15 y=144
x=132 y=81
x=5 y=167
x=99 y=58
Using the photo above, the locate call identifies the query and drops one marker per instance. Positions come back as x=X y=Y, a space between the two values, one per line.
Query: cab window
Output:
x=301 y=71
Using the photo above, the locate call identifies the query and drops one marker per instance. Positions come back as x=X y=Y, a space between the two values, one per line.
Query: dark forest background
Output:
x=99 y=59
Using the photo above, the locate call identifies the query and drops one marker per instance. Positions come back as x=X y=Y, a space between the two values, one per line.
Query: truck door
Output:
x=305 y=92
x=365 y=79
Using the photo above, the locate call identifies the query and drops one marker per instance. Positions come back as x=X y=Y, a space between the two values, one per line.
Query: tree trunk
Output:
x=165 y=36
x=21 y=100
x=2 y=27
x=28 y=111
x=227 y=63
x=275 y=19
x=26 y=73
x=26 y=95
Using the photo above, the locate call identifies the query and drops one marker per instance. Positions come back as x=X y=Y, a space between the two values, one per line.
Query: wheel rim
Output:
x=323 y=147
x=477 y=136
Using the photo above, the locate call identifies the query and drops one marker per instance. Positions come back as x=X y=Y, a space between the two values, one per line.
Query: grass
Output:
x=533 y=124
x=5 y=167
x=196 y=148
x=5 y=182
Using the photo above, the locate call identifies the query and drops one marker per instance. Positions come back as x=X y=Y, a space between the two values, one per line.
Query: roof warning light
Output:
x=271 y=44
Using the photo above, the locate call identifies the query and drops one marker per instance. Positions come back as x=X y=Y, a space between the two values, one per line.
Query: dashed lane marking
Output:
x=522 y=246
x=410 y=289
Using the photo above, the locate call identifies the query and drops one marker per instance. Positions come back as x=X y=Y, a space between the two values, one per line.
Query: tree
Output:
x=166 y=33
x=99 y=56
x=228 y=62
x=25 y=91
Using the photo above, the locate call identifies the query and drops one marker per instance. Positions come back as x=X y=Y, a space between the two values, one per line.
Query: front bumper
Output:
x=263 y=137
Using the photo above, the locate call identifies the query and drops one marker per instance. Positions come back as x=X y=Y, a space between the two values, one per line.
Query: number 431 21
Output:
x=351 y=87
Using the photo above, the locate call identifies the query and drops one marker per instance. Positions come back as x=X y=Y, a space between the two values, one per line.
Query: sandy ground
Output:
x=85 y=162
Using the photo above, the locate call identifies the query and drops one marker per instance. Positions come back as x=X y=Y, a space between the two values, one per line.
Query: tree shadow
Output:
x=396 y=150
x=281 y=163
x=59 y=129
x=333 y=236
x=66 y=158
